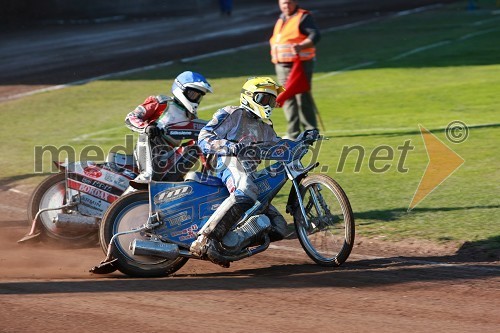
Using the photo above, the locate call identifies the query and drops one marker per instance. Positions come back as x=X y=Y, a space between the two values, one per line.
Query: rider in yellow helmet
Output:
x=259 y=96
x=231 y=129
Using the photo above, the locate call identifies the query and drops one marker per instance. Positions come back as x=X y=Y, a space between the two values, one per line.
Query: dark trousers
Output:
x=299 y=110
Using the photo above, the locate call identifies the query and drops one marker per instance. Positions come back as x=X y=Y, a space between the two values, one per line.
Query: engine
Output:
x=246 y=234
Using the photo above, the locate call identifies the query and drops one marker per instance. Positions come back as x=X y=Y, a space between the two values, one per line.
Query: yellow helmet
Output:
x=259 y=95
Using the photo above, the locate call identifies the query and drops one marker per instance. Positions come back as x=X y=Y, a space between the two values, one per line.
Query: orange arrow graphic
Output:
x=442 y=163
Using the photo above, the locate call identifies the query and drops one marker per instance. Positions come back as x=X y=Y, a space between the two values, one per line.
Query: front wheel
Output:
x=328 y=234
x=128 y=212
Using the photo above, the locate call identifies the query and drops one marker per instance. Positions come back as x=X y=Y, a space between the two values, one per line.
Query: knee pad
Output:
x=278 y=228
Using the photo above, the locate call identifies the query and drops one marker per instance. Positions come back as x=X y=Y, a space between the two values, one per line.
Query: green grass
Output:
x=382 y=101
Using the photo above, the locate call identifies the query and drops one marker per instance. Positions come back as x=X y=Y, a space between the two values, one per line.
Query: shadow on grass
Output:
x=5 y=183
x=481 y=250
x=395 y=214
x=410 y=132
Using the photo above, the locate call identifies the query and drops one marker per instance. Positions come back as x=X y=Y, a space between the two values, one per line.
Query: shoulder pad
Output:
x=162 y=99
x=230 y=109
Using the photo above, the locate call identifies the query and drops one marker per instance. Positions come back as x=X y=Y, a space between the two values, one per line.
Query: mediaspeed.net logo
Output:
x=443 y=161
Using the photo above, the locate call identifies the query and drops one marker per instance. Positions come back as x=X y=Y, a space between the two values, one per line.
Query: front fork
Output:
x=295 y=181
x=301 y=204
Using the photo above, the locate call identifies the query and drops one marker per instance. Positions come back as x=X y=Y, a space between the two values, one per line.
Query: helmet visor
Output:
x=193 y=95
x=265 y=99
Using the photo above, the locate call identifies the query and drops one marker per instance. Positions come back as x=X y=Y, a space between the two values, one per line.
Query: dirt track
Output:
x=383 y=287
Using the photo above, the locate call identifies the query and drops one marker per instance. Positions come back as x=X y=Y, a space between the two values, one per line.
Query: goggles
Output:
x=193 y=95
x=264 y=99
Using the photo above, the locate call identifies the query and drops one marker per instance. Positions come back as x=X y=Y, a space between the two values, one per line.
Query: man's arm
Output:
x=211 y=138
x=138 y=119
x=308 y=27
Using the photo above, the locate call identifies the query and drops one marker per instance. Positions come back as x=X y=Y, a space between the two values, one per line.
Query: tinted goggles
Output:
x=193 y=95
x=264 y=99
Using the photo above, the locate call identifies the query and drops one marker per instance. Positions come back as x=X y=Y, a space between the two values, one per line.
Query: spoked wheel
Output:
x=328 y=234
x=51 y=193
x=128 y=212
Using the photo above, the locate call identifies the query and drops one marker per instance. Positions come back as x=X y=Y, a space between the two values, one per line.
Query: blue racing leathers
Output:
x=230 y=129
x=229 y=126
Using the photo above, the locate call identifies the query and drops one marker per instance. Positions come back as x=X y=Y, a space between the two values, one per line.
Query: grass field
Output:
x=374 y=85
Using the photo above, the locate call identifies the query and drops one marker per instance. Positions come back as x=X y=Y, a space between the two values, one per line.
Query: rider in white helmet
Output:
x=231 y=129
x=158 y=112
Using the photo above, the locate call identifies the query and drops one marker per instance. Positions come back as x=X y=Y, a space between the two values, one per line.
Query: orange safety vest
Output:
x=284 y=35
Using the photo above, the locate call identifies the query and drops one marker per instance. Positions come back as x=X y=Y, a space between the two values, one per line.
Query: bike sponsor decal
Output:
x=101 y=186
x=208 y=207
x=178 y=219
x=89 y=211
x=180 y=133
x=263 y=186
x=95 y=192
x=172 y=194
x=96 y=183
x=90 y=201
x=129 y=174
x=198 y=126
x=193 y=125
x=92 y=171
x=188 y=233
x=92 y=206
x=279 y=151
x=116 y=180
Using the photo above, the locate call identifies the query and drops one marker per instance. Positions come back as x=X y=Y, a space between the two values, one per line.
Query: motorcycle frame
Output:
x=273 y=177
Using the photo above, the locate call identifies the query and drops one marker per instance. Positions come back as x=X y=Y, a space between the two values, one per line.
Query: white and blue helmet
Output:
x=189 y=88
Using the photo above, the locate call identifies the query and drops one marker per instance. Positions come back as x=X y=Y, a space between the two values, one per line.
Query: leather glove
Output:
x=152 y=131
x=235 y=148
x=311 y=135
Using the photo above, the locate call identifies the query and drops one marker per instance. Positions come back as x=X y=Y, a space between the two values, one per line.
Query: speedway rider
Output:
x=231 y=129
x=158 y=112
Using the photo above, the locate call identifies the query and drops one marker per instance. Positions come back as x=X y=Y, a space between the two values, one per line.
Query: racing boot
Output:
x=141 y=180
x=221 y=221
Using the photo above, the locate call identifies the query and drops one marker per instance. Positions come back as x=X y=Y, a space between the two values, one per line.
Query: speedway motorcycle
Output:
x=67 y=207
x=148 y=233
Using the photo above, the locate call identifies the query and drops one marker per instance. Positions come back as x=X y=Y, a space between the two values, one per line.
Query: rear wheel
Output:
x=128 y=212
x=51 y=193
x=328 y=234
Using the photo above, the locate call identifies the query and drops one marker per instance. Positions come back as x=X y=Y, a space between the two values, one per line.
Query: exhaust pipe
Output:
x=154 y=248
x=75 y=221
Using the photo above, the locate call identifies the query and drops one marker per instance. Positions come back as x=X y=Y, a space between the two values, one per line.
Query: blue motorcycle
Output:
x=148 y=233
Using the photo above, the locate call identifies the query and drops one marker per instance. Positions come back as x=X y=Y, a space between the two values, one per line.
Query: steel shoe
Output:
x=199 y=246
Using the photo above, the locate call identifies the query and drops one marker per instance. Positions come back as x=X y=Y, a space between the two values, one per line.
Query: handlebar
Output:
x=284 y=149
